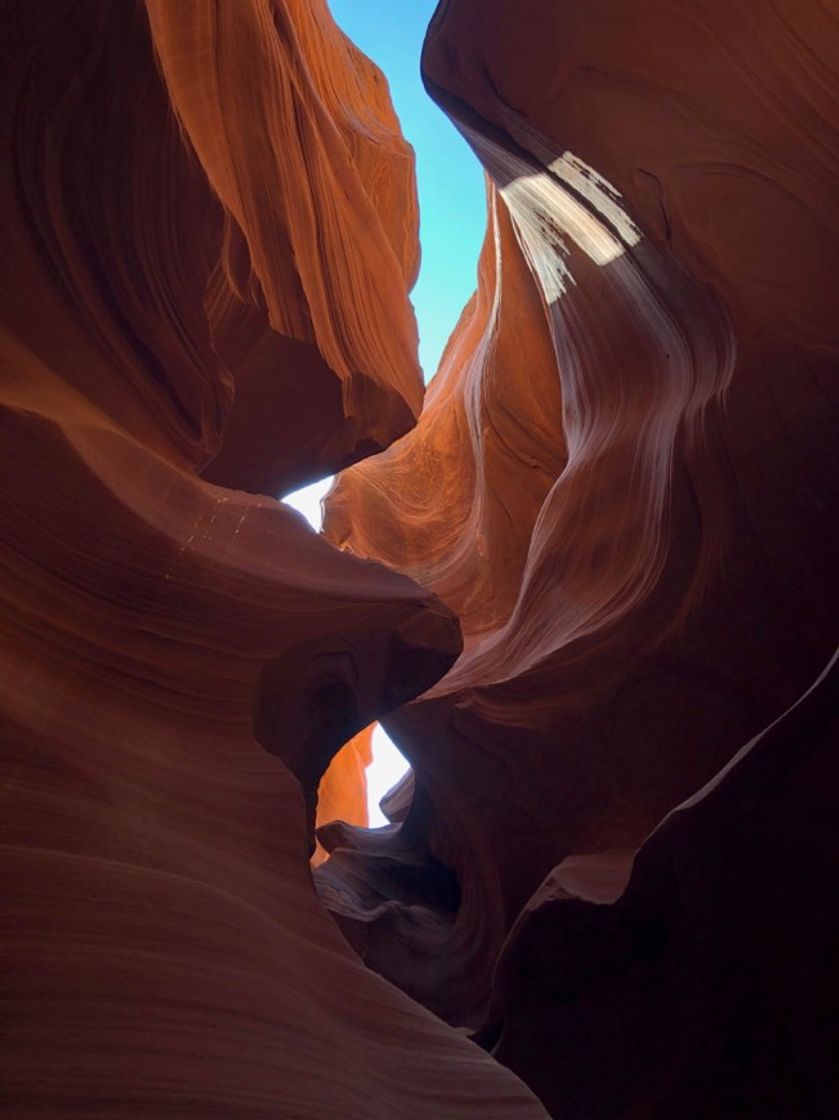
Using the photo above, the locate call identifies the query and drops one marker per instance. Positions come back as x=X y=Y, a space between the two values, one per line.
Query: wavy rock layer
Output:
x=202 y=199
x=455 y=502
x=702 y=987
x=621 y=484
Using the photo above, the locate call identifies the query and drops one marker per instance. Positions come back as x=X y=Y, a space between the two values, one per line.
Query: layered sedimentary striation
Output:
x=621 y=484
x=594 y=585
x=210 y=215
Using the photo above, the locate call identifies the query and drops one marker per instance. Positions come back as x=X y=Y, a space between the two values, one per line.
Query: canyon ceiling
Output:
x=588 y=579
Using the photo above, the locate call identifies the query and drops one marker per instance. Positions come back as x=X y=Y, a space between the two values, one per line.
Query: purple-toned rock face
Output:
x=592 y=590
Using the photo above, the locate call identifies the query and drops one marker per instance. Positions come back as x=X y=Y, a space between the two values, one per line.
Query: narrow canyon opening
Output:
x=585 y=574
x=381 y=765
x=451 y=228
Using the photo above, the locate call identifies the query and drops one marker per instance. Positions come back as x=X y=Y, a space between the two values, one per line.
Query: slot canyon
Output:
x=586 y=579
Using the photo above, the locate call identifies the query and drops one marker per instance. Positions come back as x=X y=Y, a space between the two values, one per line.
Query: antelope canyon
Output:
x=586 y=579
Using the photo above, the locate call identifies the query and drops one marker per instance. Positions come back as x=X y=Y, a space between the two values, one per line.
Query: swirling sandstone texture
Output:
x=210 y=230
x=624 y=482
x=604 y=560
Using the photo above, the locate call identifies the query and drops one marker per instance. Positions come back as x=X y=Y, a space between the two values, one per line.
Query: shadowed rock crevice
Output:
x=314 y=697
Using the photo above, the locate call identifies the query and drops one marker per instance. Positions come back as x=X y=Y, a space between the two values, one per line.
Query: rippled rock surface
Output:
x=589 y=582
x=210 y=235
x=621 y=483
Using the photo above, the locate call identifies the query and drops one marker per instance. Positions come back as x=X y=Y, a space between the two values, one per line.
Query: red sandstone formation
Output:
x=704 y=982
x=202 y=200
x=455 y=502
x=621 y=485
x=342 y=792
x=638 y=541
x=317 y=330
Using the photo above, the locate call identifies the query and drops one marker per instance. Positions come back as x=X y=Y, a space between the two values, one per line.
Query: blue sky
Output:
x=450 y=179
x=452 y=219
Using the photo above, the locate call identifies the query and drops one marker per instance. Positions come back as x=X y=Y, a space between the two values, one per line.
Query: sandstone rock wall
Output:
x=202 y=200
x=625 y=495
x=595 y=585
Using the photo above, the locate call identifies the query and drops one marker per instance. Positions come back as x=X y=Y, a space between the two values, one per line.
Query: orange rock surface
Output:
x=621 y=485
x=589 y=586
x=342 y=793
x=198 y=194
x=454 y=503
